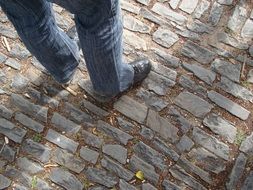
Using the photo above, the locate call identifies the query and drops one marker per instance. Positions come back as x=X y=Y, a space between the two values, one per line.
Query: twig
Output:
x=69 y=90
x=6 y=44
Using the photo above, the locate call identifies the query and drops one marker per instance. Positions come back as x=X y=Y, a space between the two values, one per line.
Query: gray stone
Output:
x=227 y=69
x=2 y=57
x=19 y=82
x=2 y=91
x=165 y=37
x=137 y=164
x=145 y=13
x=147 y=133
x=188 y=6
x=244 y=58
x=174 y=3
x=134 y=40
x=182 y=31
x=36 y=150
x=8 y=31
x=28 y=122
x=8 y=153
x=215 y=13
x=29 y=108
x=207 y=160
x=185 y=144
x=169 y=14
x=5 y=112
x=38 y=65
x=210 y=143
x=117 y=169
x=61 y=140
x=29 y=166
x=164 y=71
x=235 y=89
x=91 y=139
x=228 y=105
x=165 y=58
x=248 y=183
x=19 y=187
x=13 y=63
x=65 y=125
x=225 y=2
x=4 y=182
x=194 y=104
x=101 y=177
x=65 y=179
x=247 y=30
x=123 y=185
x=117 y=152
x=200 y=54
x=246 y=145
x=150 y=155
x=3 y=77
x=203 y=74
x=94 y=109
x=63 y=22
x=250 y=76
x=237 y=171
x=181 y=174
x=147 y=186
x=199 y=27
x=165 y=148
x=202 y=7
x=144 y=2
x=19 y=52
x=221 y=127
x=250 y=51
x=70 y=161
x=238 y=18
x=226 y=39
x=125 y=5
x=135 y=25
x=89 y=155
x=3 y=163
x=114 y=132
x=186 y=82
x=168 y=185
x=162 y=126
x=125 y=125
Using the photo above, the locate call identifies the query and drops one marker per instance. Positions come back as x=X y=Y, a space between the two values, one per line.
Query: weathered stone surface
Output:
x=246 y=145
x=63 y=22
x=227 y=69
x=181 y=174
x=137 y=164
x=235 y=89
x=76 y=114
x=162 y=126
x=202 y=7
x=221 y=127
x=185 y=144
x=5 y=112
x=29 y=108
x=164 y=71
x=250 y=51
x=2 y=57
x=125 y=5
x=65 y=179
x=61 y=140
x=150 y=155
x=19 y=82
x=117 y=169
x=2 y=91
x=123 y=185
x=94 y=109
x=165 y=148
x=200 y=54
x=19 y=52
x=114 y=132
x=210 y=143
x=8 y=153
x=125 y=125
x=225 y=2
x=168 y=59
x=228 y=105
x=89 y=155
x=248 y=183
x=147 y=186
x=13 y=63
x=182 y=31
x=207 y=160
x=144 y=2
x=194 y=104
x=244 y=58
x=29 y=166
x=174 y=3
x=36 y=150
x=169 y=14
x=147 y=133
x=237 y=171
x=28 y=122
x=73 y=163
x=101 y=177
x=188 y=6
x=145 y=13
x=168 y=185
x=199 y=27
x=135 y=25
x=238 y=18
x=8 y=31
x=63 y=124
x=135 y=41
x=165 y=37
x=4 y=182
x=215 y=14
x=247 y=30
x=250 y=76
x=206 y=75
x=226 y=39
x=117 y=152
x=91 y=139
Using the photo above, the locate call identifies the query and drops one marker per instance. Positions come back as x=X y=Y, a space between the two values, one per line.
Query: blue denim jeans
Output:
x=99 y=28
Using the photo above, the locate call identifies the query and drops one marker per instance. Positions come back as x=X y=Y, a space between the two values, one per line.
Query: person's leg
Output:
x=99 y=28
x=36 y=26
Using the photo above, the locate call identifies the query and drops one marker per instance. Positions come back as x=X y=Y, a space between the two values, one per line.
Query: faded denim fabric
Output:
x=99 y=28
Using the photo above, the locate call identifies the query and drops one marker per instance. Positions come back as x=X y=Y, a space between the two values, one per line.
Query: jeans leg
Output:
x=36 y=26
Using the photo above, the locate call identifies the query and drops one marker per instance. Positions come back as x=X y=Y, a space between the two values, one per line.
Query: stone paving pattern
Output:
x=188 y=126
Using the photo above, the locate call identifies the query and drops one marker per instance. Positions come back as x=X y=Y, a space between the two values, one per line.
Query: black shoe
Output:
x=141 y=70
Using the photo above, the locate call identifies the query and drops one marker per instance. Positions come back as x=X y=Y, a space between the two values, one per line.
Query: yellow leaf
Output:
x=140 y=175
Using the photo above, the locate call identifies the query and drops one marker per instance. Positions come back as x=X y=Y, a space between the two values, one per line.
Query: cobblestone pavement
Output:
x=189 y=126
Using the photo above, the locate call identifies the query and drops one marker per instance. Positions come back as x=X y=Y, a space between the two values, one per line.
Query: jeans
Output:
x=99 y=28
